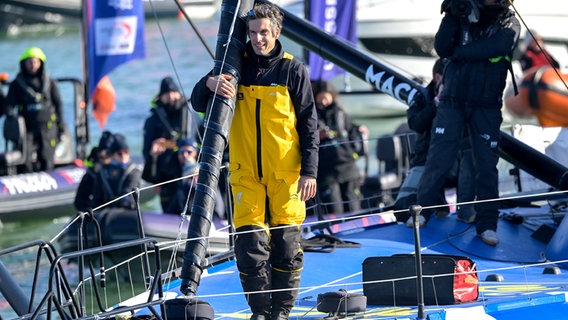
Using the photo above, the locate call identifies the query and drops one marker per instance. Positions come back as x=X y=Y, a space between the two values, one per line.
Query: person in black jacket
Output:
x=420 y=119
x=273 y=152
x=167 y=123
x=181 y=163
x=478 y=45
x=117 y=178
x=36 y=97
x=2 y=96
x=340 y=144
x=99 y=156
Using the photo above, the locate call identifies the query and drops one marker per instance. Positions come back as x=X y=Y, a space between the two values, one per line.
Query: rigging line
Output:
x=176 y=73
x=67 y=226
x=513 y=197
x=195 y=29
x=546 y=55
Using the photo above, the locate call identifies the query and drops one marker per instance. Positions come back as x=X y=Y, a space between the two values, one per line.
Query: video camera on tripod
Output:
x=469 y=10
x=463 y=9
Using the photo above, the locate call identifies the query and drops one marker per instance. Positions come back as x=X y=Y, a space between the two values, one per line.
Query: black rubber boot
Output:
x=259 y=302
x=287 y=260
x=252 y=252
x=283 y=301
x=280 y=315
x=259 y=316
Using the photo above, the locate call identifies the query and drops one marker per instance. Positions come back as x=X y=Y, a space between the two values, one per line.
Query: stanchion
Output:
x=415 y=212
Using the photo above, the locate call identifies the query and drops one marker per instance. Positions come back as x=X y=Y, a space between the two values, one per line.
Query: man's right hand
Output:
x=158 y=147
x=222 y=85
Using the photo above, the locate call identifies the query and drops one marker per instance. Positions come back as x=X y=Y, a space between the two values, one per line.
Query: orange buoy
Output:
x=4 y=77
x=542 y=93
x=103 y=99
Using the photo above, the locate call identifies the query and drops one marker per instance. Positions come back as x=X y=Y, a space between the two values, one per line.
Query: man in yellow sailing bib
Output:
x=273 y=151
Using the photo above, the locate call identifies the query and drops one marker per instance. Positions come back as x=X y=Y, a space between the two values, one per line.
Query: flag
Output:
x=114 y=35
x=336 y=17
x=103 y=99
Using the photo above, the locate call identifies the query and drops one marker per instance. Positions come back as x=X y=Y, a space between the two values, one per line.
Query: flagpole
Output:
x=82 y=136
x=84 y=41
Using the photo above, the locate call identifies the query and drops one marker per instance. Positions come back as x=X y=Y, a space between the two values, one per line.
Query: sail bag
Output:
x=447 y=279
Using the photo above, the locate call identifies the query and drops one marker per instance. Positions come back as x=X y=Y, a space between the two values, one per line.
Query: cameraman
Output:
x=477 y=37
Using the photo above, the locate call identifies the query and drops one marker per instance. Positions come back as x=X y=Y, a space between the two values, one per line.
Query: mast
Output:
x=406 y=90
x=229 y=51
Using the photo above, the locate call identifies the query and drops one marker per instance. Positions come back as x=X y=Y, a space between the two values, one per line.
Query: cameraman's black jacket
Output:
x=476 y=73
x=164 y=122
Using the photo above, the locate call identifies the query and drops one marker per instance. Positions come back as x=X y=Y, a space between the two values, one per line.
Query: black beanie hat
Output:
x=107 y=138
x=168 y=85
x=183 y=142
x=119 y=143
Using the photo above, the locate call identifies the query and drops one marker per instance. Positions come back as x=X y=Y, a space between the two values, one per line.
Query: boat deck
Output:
x=519 y=258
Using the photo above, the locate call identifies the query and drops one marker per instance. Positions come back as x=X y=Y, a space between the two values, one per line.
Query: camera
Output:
x=463 y=9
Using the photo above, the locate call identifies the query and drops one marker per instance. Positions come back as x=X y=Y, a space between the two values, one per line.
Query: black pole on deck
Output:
x=533 y=162
x=228 y=60
x=415 y=212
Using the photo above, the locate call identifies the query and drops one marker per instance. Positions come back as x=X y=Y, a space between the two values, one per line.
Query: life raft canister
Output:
x=542 y=93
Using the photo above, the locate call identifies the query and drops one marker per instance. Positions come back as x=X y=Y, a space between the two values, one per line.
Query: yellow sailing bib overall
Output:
x=265 y=157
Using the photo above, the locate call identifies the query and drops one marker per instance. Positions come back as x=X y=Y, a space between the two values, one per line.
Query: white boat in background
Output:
x=15 y=14
x=201 y=9
x=402 y=31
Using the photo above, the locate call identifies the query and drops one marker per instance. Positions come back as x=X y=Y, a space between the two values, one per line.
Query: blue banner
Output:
x=115 y=35
x=336 y=17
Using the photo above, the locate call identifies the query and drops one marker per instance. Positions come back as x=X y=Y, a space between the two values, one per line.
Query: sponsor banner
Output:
x=114 y=35
x=335 y=17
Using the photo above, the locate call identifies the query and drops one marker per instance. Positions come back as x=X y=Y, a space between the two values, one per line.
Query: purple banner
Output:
x=336 y=17
x=115 y=35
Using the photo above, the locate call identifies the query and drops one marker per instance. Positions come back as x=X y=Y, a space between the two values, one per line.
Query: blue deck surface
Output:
x=526 y=293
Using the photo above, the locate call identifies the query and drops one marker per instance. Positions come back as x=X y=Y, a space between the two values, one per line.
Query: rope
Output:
x=548 y=58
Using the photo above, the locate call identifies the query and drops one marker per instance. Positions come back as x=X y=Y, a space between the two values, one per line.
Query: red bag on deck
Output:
x=447 y=279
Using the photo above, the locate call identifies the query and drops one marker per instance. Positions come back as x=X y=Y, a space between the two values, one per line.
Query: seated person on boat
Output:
x=120 y=176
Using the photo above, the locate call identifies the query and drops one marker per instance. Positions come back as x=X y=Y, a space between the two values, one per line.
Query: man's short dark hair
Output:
x=265 y=10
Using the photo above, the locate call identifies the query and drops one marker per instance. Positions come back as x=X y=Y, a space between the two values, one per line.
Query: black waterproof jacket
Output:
x=336 y=155
x=476 y=73
x=162 y=123
x=256 y=71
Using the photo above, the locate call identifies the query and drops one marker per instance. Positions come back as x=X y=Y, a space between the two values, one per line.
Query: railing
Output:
x=70 y=301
